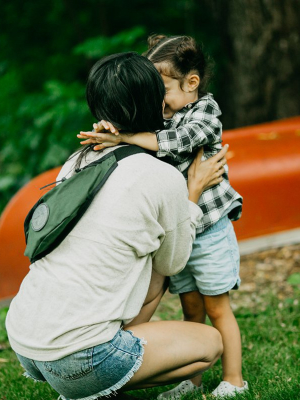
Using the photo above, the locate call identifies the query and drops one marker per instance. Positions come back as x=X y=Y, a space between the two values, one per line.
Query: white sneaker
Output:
x=178 y=391
x=227 y=389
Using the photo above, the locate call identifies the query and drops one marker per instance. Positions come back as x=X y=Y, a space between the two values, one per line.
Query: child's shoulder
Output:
x=207 y=103
x=204 y=108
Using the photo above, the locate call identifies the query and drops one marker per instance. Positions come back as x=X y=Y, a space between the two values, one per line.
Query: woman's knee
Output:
x=218 y=344
x=209 y=341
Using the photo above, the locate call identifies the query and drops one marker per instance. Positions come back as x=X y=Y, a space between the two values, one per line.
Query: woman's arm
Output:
x=205 y=174
x=175 y=250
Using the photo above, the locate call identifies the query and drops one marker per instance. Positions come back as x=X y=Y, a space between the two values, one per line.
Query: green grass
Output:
x=271 y=356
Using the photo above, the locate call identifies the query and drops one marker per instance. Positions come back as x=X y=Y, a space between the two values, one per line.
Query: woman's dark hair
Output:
x=177 y=56
x=126 y=90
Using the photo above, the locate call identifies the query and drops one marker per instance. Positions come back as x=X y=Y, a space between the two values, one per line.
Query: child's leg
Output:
x=193 y=311
x=214 y=268
x=219 y=311
x=193 y=306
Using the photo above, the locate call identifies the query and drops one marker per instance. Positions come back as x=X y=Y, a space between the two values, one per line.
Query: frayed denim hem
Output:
x=113 y=390
x=27 y=375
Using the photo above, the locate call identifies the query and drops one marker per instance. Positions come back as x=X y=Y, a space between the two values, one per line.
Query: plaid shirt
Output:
x=195 y=125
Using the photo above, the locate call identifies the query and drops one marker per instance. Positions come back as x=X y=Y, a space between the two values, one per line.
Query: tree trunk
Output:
x=261 y=81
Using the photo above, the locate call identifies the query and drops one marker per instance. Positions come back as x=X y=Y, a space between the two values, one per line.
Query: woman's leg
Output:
x=175 y=350
x=219 y=311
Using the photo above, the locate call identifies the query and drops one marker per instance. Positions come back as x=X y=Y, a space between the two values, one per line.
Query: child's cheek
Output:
x=166 y=99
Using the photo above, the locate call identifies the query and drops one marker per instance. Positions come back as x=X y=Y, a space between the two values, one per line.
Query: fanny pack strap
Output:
x=58 y=211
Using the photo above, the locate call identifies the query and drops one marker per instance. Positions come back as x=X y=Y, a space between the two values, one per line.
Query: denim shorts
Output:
x=90 y=373
x=213 y=267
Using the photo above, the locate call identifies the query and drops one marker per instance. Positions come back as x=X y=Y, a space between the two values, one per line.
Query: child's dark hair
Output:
x=177 y=56
x=126 y=90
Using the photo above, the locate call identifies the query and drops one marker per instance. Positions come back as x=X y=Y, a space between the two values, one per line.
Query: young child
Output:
x=192 y=121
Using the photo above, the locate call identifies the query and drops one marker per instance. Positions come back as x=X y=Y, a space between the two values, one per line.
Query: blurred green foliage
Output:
x=294 y=279
x=124 y=41
x=38 y=129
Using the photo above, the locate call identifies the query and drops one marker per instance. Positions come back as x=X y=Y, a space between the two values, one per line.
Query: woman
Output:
x=69 y=322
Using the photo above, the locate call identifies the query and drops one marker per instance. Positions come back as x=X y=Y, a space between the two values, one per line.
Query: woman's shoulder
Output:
x=159 y=176
x=157 y=168
x=68 y=169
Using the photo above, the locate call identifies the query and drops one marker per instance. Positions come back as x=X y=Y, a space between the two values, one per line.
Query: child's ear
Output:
x=193 y=81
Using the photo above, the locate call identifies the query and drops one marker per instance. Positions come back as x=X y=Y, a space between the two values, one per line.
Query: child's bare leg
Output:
x=219 y=311
x=157 y=288
x=194 y=311
x=193 y=306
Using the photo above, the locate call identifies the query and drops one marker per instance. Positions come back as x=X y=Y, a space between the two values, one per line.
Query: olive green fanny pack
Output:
x=58 y=211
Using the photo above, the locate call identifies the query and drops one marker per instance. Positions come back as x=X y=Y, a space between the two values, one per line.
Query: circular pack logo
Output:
x=40 y=217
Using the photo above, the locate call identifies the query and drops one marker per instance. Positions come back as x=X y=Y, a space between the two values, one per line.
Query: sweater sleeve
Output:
x=176 y=248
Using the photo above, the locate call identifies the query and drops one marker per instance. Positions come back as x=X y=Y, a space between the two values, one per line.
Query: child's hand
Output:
x=105 y=126
x=104 y=139
x=104 y=133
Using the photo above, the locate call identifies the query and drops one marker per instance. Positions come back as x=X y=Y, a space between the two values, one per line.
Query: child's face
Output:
x=177 y=96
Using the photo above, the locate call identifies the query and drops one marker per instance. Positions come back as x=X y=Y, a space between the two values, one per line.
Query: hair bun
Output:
x=186 y=54
x=154 y=39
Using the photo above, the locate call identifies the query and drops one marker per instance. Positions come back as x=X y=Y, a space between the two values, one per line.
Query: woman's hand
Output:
x=104 y=133
x=205 y=174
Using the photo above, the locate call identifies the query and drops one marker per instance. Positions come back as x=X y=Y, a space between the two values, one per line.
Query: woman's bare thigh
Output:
x=174 y=350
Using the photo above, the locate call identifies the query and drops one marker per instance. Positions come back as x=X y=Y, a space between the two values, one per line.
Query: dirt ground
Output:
x=266 y=272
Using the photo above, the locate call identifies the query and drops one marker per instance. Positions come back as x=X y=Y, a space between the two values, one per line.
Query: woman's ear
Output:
x=193 y=82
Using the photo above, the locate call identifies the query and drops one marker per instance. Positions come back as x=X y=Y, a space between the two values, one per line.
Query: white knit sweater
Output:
x=79 y=295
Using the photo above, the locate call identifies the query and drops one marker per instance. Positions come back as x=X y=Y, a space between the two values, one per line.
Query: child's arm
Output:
x=147 y=140
x=106 y=135
x=203 y=127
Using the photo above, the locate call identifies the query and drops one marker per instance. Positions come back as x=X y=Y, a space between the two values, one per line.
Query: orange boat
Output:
x=264 y=167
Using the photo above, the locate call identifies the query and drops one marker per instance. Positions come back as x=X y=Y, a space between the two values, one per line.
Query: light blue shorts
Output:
x=91 y=373
x=213 y=267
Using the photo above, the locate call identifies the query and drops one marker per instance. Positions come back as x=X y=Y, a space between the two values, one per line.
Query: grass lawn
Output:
x=271 y=356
